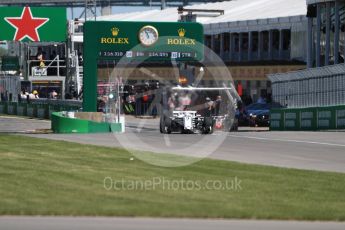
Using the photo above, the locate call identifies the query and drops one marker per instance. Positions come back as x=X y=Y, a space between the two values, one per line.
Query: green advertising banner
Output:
x=33 y=24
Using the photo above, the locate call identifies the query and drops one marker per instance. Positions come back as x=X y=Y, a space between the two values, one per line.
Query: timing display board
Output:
x=145 y=41
x=149 y=55
x=137 y=41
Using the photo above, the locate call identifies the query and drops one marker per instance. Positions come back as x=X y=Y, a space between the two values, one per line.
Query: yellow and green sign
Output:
x=35 y=24
x=137 y=41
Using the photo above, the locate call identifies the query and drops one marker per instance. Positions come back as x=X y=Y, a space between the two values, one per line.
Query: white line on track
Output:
x=288 y=140
x=167 y=140
x=24 y=118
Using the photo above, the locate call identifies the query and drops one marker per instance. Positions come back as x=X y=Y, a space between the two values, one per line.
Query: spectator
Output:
x=34 y=95
x=209 y=105
x=31 y=96
x=41 y=61
x=23 y=95
x=53 y=94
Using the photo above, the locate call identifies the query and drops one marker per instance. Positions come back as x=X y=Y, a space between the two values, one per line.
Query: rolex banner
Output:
x=35 y=24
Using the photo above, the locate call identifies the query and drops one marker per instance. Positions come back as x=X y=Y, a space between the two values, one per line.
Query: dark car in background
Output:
x=256 y=114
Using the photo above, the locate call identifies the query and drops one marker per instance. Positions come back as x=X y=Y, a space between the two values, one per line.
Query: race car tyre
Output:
x=161 y=125
x=167 y=126
x=208 y=126
x=234 y=126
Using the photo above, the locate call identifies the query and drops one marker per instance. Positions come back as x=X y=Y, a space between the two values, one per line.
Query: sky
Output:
x=115 y=9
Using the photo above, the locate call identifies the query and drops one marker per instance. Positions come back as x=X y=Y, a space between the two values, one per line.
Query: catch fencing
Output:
x=317 y=87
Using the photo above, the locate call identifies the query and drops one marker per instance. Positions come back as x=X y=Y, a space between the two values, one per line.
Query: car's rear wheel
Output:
x=161 y=125
x=208 y=126
x=234 y=126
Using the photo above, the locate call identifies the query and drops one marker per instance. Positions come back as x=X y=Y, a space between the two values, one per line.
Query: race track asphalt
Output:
x=119 y=223
x=322 y=151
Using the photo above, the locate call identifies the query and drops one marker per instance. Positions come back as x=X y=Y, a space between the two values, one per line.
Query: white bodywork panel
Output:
x=187 y=117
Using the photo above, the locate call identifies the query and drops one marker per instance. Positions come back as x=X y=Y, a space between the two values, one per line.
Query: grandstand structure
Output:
x=322 y=84
x=326 y=32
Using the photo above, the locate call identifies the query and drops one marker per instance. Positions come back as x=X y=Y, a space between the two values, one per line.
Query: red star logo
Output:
x=26 y=26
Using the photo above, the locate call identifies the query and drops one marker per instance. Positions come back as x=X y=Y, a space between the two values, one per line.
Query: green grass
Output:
x=40 y=177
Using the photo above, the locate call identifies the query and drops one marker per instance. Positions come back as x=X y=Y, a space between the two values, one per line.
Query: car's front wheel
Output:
x=165 y=125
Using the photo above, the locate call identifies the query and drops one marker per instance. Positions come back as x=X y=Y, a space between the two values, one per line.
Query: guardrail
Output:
x=45 y=101
x=314 y=118
x=61 y=122
x=55 y=67
x=36 y=109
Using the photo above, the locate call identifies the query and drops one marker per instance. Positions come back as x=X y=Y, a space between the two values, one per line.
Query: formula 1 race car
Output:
x=197 y=110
